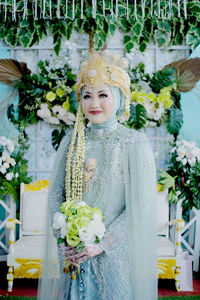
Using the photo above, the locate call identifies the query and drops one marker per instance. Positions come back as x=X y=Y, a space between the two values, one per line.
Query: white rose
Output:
x=184 y=161
x=52 y=120
x=12 y=162
x=59 y=220
x=10 y=146
x=86 y=236
x=81 y=203
x=2 y=170
x=0 y=161
x=192 y=161
x=44 y=113
x=63 y=231
x=16 y=175
x=97 y=228
x=9 y=176
x=6 y=165
x=5 y=156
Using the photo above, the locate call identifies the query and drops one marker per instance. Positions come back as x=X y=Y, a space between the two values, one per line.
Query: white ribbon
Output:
x=151 y=8
x=143 y=8
x=14 y=11
x=127 y=11
x=73 y=10
x=185 y=8
x=81 y=9
x=116 y=9
x=179 y=9
x=58 y=9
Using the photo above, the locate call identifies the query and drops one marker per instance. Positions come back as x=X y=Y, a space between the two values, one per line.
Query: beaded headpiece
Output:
x=106 y=68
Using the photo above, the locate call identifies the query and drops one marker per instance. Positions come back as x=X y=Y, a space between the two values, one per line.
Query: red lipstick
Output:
x=95 y=112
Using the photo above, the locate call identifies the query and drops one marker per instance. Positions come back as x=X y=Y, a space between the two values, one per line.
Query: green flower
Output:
x=85 y=211
x=72 y=239
x=72 y=227
x=60 y=92
x=68 y=208
x=66 y=104
x=50 y=96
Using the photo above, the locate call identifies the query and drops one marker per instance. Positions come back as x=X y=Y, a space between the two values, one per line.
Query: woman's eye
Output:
x=103 y=95
x=86 y=97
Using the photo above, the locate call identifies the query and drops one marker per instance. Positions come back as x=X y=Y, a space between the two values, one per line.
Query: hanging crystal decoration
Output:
x=44 y=8
x=170 y=9
x=104 y=13
x=58 y=9
x=14 y=10
x=94 y=4
x=179 y=9
x=112 y=9
x=25 y=9
x=143 y=8
x=151 y=8
x=135 y=9
x=35 y=10
x=50 y=9
x=5 y=5
x=127 y=10
x=81 y=9
x=73 y=10
x=116 y=9
x=159 y=8
x=185 y=8
x=66 y=8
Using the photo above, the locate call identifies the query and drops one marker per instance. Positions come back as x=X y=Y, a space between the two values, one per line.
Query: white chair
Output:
x=25 y=255
x=169 y=253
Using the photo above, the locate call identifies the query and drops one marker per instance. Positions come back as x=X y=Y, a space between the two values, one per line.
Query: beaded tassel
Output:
x=81 y=9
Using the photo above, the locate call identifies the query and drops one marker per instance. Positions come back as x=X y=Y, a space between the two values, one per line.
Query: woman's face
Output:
x=97 y=103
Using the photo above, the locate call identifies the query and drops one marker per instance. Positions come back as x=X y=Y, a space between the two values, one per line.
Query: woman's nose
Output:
x=94 y=102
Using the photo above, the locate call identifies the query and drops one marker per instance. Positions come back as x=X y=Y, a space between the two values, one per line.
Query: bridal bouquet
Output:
x=80 y=226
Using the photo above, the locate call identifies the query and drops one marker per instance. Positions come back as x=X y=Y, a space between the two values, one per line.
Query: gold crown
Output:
x=108 y=68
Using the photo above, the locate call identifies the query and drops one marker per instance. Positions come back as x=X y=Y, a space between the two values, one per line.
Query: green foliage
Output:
x=138 y=29
x=138 y=116
x=162 y=79
x=175 y=120
x=57 y=137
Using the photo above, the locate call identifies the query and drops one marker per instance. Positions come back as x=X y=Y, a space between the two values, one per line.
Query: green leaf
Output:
x=175 y=121
x=129 y=46
x=60 y=240
x=97 y=241
x=163 y=78
x=143 y=46
x=57 y=46
x=80 y=247
x=57 y=137
x=166 y=180
x=127 y=38
x=33 y=117
x=138 y=115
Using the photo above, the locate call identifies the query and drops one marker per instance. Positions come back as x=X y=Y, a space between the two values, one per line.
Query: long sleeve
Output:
x=140 y=187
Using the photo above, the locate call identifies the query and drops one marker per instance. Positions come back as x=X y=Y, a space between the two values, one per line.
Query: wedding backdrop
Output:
x=53 y=38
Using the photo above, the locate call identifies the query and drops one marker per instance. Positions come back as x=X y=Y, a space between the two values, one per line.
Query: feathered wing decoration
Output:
x=11 y=71
x=187 y=73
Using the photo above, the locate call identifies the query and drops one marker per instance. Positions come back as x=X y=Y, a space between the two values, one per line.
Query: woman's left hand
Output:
x=76 y=257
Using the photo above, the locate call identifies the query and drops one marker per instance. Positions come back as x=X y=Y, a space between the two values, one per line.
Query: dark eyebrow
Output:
x=102 y=91
x=86 y=92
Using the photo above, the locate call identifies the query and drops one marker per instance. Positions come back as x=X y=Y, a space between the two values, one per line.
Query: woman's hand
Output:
x=76 y=258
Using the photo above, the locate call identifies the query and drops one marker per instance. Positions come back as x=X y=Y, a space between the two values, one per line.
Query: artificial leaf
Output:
x=175 y=121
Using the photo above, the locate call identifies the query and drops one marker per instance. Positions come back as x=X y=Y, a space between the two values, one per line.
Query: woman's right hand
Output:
x=72 y=255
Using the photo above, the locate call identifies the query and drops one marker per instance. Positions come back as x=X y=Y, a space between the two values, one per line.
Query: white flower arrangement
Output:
x=55 y=114
x=187 y=152
x=7 y=162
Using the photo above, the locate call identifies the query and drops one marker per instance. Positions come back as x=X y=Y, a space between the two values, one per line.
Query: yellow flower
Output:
x=66 y=104
x=73 y=87
x=134 y=95
x=60 y=92
x=50 y=96
x=167 y=103
x=50 y=84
